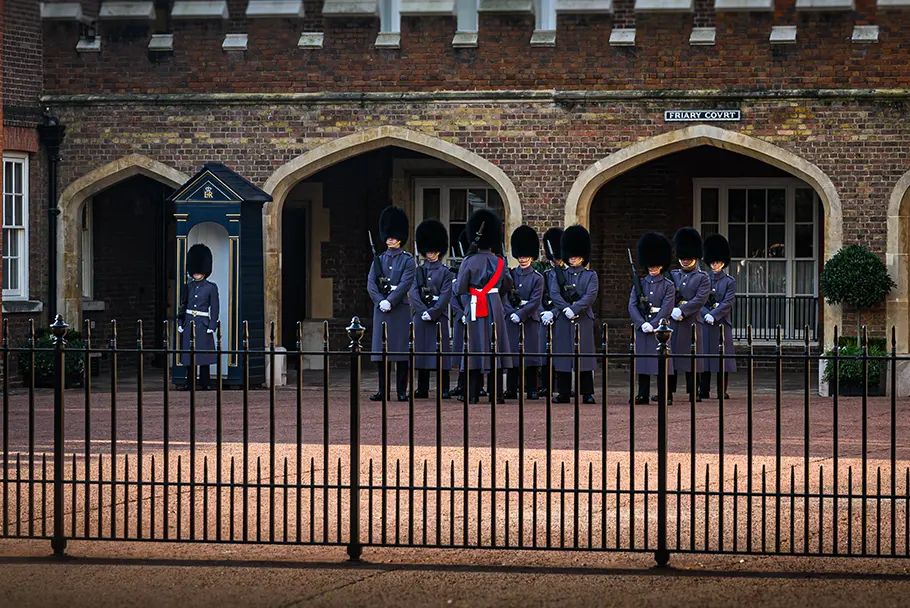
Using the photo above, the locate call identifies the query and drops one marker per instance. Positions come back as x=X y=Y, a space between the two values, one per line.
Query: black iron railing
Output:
x=793 y=314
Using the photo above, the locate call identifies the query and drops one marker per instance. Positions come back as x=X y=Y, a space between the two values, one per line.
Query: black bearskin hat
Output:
x=199 y=260
x=687 y=243
x=431 y=235
x=553 y=236
x=525 y=243
x=492 y=229
x=654 y=250
x=393 y=223
x=576 y=241
x=717 y=249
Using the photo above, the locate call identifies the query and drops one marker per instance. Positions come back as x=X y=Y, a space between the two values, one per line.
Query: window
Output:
x=15 y=226
x=466 y=11
x=773 y=232
x=452 y=201
x=545 y=15
x=389 y=16
x=87 y=251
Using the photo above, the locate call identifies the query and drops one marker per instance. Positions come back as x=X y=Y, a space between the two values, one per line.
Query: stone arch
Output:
x=897 y=257
x=280 y=184
x=589 y=181
x=69 y=293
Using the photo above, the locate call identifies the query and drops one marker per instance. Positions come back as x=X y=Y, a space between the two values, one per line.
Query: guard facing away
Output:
x=573 y=290
x=692 y=287
x=390 y=280
x=551 y=247
x=522 y=308
x=430 y=295
x=459 y=321
x=651 y=300
x=483 y=280
x=199 y=304
x=718 y=316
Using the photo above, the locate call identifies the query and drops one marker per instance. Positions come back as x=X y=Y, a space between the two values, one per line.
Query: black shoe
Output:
x=402 y=396
x=376 y=397
x=726 y=395
x=641 y=399
x=533 y=396
x=703 y=396
x=446 y=395
x=181 y=387
x=501 y=399
x=457 y=391
x=588 y=399
x=561 y=399
x=654 y=398
x=697 y=398
x=473 y=401
x=670 y=400
x=510 y=395
x=422 y=395
x=483 y=392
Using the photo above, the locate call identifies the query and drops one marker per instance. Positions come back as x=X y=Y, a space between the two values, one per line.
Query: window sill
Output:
x=93 y=306
x=13 y=307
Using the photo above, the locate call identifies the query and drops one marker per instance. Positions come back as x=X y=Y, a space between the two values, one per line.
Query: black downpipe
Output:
x=51 y=133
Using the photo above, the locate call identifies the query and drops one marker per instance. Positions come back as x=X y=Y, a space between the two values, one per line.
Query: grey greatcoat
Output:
x=476 y=271
x=661 y=294
x=725 y=294
x=439 y=282
x=584 y=282
x=529 y=285
x=199 y=297
x=457 y=328
x=398 y=266
x=693 y=288
x=545 y=305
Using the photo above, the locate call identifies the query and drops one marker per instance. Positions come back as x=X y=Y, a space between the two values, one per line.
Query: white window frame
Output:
x=445 y=185
x=389 y=16
x=88 y=250
x=466 y=15
x=545 y=15
x=19 y=158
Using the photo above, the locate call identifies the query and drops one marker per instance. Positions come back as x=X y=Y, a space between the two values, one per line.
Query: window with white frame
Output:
x=452 y=201
x=87 y=252
x=545 y=15
x=389 y=16
x=15 y=226
x=466 y=13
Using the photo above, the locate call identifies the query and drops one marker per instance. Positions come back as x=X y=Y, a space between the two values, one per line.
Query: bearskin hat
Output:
x=431 y=235
x=199 y=260
x=393 y=223
x=717 y=249
x=552 y=239
x=687 y=243
x=525 y=243
x=654 y=250
x=492 y=229
x=576 y=241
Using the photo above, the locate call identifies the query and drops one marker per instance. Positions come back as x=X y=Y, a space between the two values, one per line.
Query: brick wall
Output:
x=22 y=48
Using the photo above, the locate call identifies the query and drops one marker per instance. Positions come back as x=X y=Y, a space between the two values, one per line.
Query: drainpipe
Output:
x=51 y=133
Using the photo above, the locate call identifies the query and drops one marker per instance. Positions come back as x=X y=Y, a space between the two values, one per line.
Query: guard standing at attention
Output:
x=718 y=316
x=692 y=287
x=200 y=305
x=551 y=249
x=523 y=310
x=390 y=279
x=458 y=317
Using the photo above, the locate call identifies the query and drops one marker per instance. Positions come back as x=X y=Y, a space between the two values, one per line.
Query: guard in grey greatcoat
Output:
x=659 y=293
x=718 y=316
x=458 y=318
x=430 y=295
x=551 y=247
x=522 y=309
x=573 y=305
x=483 y=279
x=199 y=304
x=692 y=287
x=390 y=280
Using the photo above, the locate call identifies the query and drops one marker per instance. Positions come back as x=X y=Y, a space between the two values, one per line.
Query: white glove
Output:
x=464 y=320
x=570 y=314
x=385 y=306
x=647 y=327
x=547 y=317
x=515 y=318
x=426 y=316
x=210 y=331
x=179 y=329
x=709 y=319
x=676 y=314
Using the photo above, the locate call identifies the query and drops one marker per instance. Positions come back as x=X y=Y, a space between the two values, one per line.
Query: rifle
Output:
x=711 y=304
x=514 y=298
x=426 y=294
x=644 y=306
x=474 y=243
x=383 y=282
x=571 y=298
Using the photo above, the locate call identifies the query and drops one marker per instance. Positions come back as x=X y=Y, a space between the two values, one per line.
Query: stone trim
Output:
x=89 y=46
x=61 y=11
x=418 y=8
x=127 y=10
x=505 y=6
x=93 y=306
x=235 y=42
x=388 y=40
x=584 y=6
x=161 y=43
x=266 y=9
x=893 y=3
x=782 y=34
x=825 y=5
x=898 y=262
x=350 y=8
x=200 y=9
x=664 y=6
x=464 y=40
x=743 y=5
x=703 y=36
x=543 y=38
x=310 y=40
x=14 y=307
x=864 y=34
x=622 y=36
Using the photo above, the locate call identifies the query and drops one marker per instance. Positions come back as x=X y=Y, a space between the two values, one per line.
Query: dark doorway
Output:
x=294 y=268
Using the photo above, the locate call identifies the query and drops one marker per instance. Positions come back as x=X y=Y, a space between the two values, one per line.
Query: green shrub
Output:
x=856 y=277
x=74 y=362
x=851 y=364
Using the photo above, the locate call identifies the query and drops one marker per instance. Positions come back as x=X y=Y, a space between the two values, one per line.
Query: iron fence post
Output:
x=355 y=333
x=58 y=543
x=663 y=333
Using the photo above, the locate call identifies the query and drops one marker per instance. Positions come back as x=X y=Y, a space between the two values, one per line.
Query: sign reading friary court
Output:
x=702 y=115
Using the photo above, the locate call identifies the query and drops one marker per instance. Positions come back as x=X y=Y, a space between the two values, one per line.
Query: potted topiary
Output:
x=857 y=278
x=74 y=361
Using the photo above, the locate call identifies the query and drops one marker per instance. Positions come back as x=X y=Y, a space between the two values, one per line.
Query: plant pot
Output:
x=855 y=389
x=47 y=381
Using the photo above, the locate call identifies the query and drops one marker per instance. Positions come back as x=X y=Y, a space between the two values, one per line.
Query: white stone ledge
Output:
x=200 y=9
x=61 y=11
x=783 y=34
x=584 y=6
x=266 y=9
x=743 y=5
x=506 y=6
x=465 y=40
x=161 y=43
x=432 y=8
x=388 y=40
x=543 y=38
x=664 y=6
x=350 y=8
x=622 y=37
x=893 y=3
x=22 y=306
x=825 y=5
x=310 y=40
x=127 y=10
x=89 y=46
x=703 y=36
x=235 y=42
x=864 y=34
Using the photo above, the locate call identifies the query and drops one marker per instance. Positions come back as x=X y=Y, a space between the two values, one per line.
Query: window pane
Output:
x=805 y=243
x=431 y=197
x=455 y=231
x=494 y=202
x=708 y=229
x=477 y=199
x=776 y=242
x=736 y=270
x=13 y=241
x=13 y=274
x=8 y=177
x=17 y=210
x=8 y=217
x=17 y=178
x=737 y=240
x=777 y=205
x=6 y=274
x=757 y=205
x=757 y=276
x=709 y=212
x=804 y=282
x=777 y=277
x=805 y=203
x=756 y=242
x=737 y=204
x=458 y=210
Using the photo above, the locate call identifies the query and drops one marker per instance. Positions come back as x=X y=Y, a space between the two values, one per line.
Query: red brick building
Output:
x=557 y=111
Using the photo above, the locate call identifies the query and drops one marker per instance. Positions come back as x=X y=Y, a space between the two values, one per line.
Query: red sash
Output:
x=480 y=295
